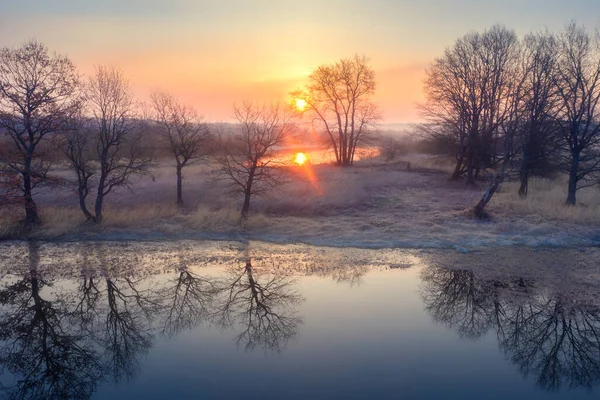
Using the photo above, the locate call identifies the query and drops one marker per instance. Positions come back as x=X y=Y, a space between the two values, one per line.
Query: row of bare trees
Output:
x=49 y=114
x=48 y=109
x=528 y=106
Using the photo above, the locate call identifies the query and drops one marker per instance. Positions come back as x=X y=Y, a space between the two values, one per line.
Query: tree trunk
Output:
x=98 y=208
x=248 y=192
x=82 y=191
x=471 y=154
x=31 y=214
x=100 y=194
x=524 y=178
x=179 y=186
x=246 y=206
x=83 y=206
x=479 y=209
x=459 y=164
x=571 y=197
x=470 y=177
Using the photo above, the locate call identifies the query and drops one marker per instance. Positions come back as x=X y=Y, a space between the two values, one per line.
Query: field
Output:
x=372 y=205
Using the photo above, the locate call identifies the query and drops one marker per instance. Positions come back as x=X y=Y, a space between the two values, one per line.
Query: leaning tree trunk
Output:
x=179 y=186
x=479 y=209
x=571 y=196
x=83 y=206
x=82 y=191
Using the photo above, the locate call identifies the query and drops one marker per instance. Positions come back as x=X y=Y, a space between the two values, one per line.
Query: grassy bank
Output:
x=373 y=204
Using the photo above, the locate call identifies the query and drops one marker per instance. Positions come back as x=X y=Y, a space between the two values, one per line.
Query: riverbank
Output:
x=372 y=205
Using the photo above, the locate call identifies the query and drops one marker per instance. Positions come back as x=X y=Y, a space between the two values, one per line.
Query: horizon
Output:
x=214 y=55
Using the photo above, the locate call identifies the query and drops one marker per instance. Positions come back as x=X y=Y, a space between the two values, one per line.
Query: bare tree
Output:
x=578 y=84
x=247 y=155
x=185 y=131
x=76 y=146
x=511 y=123
x=538 y=138
x=468 y=96
x=109 y=145
x=36 y=99
x=339 y=98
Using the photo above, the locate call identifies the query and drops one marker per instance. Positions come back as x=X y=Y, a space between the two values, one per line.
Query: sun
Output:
x=300 y=105
x=300 y=158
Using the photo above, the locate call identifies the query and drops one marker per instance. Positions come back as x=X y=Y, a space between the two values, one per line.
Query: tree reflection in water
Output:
x=263 y=308
x=549 y=337
x=61 y=343
x=51 y=358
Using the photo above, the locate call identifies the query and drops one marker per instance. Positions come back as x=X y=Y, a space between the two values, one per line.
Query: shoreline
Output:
x=472 y=244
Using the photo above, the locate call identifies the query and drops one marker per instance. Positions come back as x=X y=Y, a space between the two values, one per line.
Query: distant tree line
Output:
x=527 y=106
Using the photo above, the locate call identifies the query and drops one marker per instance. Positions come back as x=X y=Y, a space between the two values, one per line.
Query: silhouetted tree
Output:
x=37 y=98
x=339 y=98
x=538 y=138
x=185 y=131
x=110 y=147
x=578 y=85
x=469 y=94
x=247 y=156
x=77 y=148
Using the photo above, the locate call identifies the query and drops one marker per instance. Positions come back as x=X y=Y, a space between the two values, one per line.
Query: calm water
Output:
x=232 y=320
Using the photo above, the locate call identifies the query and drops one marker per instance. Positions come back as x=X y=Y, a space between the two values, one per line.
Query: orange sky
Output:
x=212 y=54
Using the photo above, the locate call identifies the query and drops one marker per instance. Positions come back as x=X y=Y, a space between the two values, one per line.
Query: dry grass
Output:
x=373 y=204
x=546 y=200
x=206 y=219
x=9 y=221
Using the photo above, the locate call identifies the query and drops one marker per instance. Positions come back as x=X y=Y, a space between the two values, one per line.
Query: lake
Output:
x=208 y=319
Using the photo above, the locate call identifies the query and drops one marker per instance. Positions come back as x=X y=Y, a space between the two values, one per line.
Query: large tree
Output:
x=578 y=85
x=469 y=96
x=37 y=98
x=339 y=98
x=184 y=130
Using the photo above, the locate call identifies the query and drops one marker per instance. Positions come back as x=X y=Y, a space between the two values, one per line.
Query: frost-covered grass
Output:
x=373 y=204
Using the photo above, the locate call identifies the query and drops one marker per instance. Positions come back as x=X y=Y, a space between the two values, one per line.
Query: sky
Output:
x=212 y=54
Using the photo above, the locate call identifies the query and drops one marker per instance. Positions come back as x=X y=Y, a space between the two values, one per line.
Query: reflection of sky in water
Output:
x=415 y=332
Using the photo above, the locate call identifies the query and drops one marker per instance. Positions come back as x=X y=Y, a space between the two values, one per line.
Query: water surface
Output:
x=107 y=320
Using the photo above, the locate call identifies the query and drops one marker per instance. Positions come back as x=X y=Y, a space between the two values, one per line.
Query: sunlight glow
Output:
x=300 y=158
x=300 y=105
